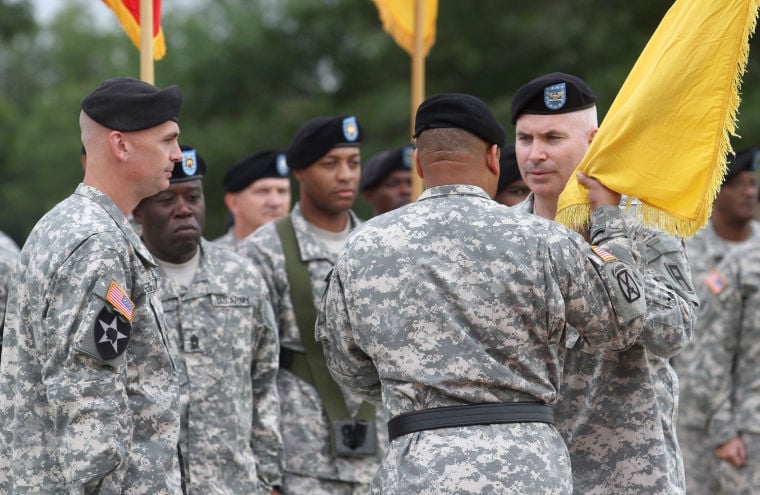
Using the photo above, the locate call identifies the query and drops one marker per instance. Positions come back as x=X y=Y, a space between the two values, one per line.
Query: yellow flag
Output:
x=665 y=137
x=398 y=20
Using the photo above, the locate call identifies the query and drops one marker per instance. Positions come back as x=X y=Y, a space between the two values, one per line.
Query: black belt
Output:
x=471 y=415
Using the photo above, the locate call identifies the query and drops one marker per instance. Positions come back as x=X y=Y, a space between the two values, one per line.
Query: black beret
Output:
x=127 y=104
x=380 y=165
x=192 y=166
x=745 y=160
x=460 y=111
x=251 y=168
x=510 y=172
x=320 y=135
x=552 y=94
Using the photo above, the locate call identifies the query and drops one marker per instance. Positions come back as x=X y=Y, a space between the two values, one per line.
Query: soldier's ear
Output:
x=417 y=165
x=492 y=159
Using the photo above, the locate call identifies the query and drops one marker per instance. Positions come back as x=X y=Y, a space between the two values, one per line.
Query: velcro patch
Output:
x=715 y=282
x=111 y=334
x=628 y=286
x=604 y=255
x=674 y=269
x=120 y=301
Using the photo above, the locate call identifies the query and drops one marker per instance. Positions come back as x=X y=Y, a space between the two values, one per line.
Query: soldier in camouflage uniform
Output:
x=256 y=191
x=731 y=227
x=386 y=181
x=722 y=380
x=219 y=317
x=512 y=188
x=89 y=391
x=8 y=257
x=732 y=222
x=456 y=300
x=616 y=410
x=325 y=159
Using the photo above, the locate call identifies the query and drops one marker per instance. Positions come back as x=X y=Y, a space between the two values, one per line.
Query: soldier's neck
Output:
x=545 y=206
x=325 y=220
x=736 y=231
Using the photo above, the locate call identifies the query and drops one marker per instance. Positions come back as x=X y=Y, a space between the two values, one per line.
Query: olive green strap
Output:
x=311 y=366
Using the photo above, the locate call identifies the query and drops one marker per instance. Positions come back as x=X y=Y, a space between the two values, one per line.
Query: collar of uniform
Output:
x=119 y=219
x=310 y=247
x=453 y=190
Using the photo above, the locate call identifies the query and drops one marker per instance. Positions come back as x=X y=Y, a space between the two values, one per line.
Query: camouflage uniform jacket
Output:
x=227 y=240
x=705 y=250
x=304 y=424
x=79 y=416
x=617 y=410
x=456 y=299
x=721 y=381
x=8 y=257
x=224 y=328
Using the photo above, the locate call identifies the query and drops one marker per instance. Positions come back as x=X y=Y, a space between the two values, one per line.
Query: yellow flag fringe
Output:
x=577 y=215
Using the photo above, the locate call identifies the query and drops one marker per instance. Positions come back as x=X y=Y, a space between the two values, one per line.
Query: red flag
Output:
x=128 y=13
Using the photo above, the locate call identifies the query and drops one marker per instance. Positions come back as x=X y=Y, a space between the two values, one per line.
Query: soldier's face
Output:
x=152 y=154
x=737 y=199
x=331 y=183
x=262 y=201
x=172 y=221
x=394 y=191
x=513 y=193
x=548 y=150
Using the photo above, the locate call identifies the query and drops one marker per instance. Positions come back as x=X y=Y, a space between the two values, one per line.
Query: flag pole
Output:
x=146 y=41
x=418 y=79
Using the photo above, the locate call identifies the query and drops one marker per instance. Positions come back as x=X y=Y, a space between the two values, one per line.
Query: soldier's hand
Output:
x=733 y=451
x=598 y=194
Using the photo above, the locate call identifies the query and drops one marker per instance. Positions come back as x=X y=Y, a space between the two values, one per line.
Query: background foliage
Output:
x=253 y=71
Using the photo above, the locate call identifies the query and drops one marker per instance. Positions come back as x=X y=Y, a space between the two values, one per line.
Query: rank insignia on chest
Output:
x=715 y=282
x=111 y=334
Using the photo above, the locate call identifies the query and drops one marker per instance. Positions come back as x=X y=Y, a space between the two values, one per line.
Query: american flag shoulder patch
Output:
x=716 y=282
x=120 y=301
x=604 y=255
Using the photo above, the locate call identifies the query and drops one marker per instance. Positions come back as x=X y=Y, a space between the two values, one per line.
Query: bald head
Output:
x=455 y=156
x=434 y=144
x=94 y=136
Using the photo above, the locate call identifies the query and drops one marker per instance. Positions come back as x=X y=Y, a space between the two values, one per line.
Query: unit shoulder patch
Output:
x=111 y=334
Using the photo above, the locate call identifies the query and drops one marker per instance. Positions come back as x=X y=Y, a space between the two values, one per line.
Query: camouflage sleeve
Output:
x=605 y=283
x=739 y=413
x=708 y=373
x=86 y=391
x=7 y=262
x=267 y=441
x=263 y=248
x=670 y=296
x=348 y=364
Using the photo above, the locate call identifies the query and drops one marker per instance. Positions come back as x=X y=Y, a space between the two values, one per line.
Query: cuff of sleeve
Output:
x=607 y=222
x=720 y=434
